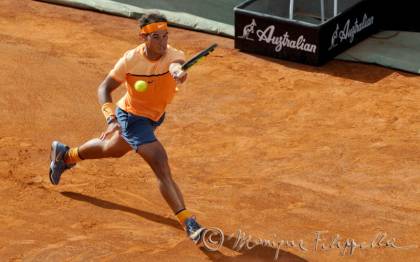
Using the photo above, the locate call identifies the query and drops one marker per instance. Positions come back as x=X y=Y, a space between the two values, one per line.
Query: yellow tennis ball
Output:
x=140 y=86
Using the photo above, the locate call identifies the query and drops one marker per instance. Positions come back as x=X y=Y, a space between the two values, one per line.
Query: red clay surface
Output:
x=272 y=148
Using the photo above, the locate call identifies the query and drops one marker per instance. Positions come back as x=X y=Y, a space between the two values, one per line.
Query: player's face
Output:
x=157 y=41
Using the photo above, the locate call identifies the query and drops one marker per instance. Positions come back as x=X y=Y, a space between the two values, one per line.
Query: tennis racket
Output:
x=198 y=57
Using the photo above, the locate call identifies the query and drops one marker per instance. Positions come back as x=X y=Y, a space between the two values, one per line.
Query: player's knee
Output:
x=157 y=156
x=160 y=165
x=160 y=160
x=164 y=177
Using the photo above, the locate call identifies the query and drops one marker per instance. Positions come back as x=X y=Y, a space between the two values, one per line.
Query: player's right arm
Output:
x=114 y=79
x=105 y=99
x=105 y=89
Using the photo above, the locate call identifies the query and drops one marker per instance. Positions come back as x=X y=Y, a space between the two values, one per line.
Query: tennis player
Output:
x=132 y=122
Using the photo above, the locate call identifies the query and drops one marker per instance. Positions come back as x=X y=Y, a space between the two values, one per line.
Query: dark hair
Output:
x=150 y=18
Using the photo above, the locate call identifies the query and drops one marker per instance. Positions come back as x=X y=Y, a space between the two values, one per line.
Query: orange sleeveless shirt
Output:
x=134 y=66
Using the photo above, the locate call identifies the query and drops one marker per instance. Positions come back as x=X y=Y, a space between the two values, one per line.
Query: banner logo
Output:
x=350 y=31
x=280 y=42
x=248 y=29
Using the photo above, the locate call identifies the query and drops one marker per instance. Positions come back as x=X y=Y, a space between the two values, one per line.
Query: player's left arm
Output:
x=175 y=69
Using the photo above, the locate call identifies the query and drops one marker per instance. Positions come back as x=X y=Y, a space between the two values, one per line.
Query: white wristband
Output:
x=174 y=68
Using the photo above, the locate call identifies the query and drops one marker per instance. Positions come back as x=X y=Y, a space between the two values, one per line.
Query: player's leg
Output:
x=115 y=146
x=63 y=157
x=155 y=155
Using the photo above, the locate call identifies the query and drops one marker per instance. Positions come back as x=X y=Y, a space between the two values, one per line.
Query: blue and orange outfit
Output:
x=138 y=113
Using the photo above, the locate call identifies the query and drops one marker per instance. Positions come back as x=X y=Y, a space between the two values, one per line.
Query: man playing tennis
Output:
x=132 y=124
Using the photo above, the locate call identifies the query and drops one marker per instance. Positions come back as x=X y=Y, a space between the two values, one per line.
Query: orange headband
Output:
x=153 y=27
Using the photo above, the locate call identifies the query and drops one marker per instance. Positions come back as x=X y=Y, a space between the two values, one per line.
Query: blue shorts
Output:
x=137 y=130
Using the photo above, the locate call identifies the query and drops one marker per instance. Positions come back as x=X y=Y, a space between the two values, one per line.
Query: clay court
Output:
x=275 y=149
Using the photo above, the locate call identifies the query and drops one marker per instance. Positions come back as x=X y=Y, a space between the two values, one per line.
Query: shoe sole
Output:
x=53 y=158
x=50 y=176
x=196 y=237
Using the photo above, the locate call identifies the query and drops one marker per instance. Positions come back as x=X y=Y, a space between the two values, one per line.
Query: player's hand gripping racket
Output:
x=192 y=61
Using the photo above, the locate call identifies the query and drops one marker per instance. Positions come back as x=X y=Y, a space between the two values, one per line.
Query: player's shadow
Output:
x=258 y=253
x=110 y=205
